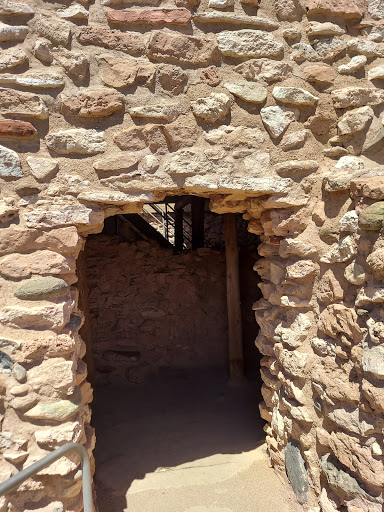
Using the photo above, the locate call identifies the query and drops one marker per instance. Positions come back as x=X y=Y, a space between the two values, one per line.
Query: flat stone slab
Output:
x=151 y=17
x=179 y=48
x=235 y=19
x=249 y=43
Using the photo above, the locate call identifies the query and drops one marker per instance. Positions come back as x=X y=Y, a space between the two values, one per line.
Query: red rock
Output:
x=113 y=39
x=179 y=48
x=16 y=129
x=151 y=17
x=343 y=8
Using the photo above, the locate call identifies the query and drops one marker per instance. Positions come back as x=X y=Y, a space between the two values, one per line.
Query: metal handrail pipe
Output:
x=16 y=480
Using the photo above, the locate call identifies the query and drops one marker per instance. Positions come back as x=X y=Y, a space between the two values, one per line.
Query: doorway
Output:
x=167 y=418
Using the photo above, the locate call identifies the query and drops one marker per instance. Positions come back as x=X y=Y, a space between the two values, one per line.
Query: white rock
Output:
x=112 y=197
x=264 y=69
x=14 y=8
x=74 y=12
x=356 y=97
x=296 y=247
x=323 y=347
x=352 y=420
x=231 y=137
x=168 y=112
x=251 y=92
x=56 y=436
x=255 y=186
x=11 y=58
x=76 y=64
x=376 y=73
x=342 y=251
x=301 y=269
x=41 y=168
x=352 y=163
x=295 y=168
x=376 y=34
x=304 y=51
x=353 y=65
x=42 y=50
x=373 y=361
x=257 y=162
x=150 y=163
x=324 y=29
x=294 y=140
x=220 y=4
x=293 y=362
x=12 y=32
x=276 y=120
x=294 y=96
x=10 y=166
x=370 y=294
x=376 y=9
x=348 y=222
x=235 y=18
x=52 y=215
x=300 y=414
x=354 y=121
x=365 y=47
x=296 y=333
x=212 y=108
x=76 y=141
x=249 y=43
x=33 y=80
x=376 y=449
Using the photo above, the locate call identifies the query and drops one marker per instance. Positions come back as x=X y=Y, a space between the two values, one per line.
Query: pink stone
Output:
x=179 y=48
x=38 y=262
x=16 y=129
x=53 y=316
x=114 y=39
x=343 y=8
x=151 y=17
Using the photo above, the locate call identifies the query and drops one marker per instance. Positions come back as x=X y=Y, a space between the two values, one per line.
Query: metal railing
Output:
x=166 y=221
x=14 y=482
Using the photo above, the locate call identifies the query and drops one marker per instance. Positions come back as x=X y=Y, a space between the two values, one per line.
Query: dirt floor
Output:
x=183 y=443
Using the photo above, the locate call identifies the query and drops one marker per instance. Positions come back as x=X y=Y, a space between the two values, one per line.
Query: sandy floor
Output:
x=183 y=444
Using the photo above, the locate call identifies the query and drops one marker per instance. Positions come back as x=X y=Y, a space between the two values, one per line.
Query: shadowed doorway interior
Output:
x=163 y=403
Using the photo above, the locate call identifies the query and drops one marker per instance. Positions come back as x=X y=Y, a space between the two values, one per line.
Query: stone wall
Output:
x=165 y=311
x=272 y=110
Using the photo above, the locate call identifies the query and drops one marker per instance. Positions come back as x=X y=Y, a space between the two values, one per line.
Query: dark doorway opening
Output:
x=158 y=316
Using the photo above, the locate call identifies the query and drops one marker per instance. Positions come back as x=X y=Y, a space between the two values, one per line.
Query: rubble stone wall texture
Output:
x=165 y=311
x=272 y=110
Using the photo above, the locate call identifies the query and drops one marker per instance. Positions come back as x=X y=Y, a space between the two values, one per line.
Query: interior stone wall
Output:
x=270 y=109
x=166 y=311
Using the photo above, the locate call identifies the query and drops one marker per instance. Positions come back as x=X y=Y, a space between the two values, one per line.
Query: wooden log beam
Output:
x=85 y=331
x=235 y=335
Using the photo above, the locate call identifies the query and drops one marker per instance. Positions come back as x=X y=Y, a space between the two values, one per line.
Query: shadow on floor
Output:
x=166 y=422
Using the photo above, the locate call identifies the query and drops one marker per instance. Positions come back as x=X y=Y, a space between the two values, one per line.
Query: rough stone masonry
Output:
x=273 y=109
